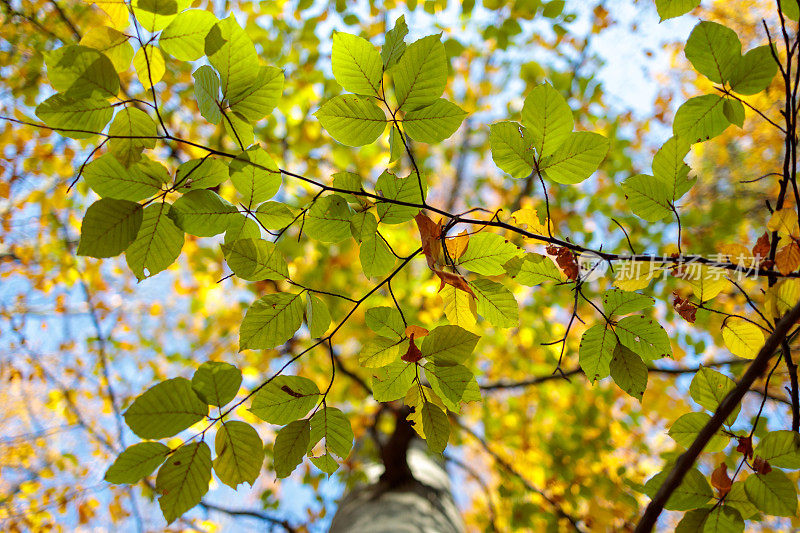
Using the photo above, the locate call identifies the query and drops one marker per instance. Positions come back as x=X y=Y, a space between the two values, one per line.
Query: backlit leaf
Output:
x=165 y=409
x=183 y=479
x=271 y=321
x=285 y=399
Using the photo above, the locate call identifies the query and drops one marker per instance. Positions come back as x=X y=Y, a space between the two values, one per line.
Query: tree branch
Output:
x=726 y=407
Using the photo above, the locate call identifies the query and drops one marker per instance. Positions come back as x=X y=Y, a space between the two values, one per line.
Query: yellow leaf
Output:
x=742 y=338
x=459 y=307
x=635 y=275
x=149 y=65
x=117 y=11
x=414 y=398
x=456 y=246
x=706 y=282
x=784 y=221
x=114 y=44
x=529 y=218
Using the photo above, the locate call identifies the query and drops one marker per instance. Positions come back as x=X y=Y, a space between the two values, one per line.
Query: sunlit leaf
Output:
x=165 y=409
x=183 y=479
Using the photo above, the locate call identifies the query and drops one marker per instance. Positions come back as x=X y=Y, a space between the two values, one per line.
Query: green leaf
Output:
x=532 y=269
x=107 y=177
x=202 y=213
x=400 y=189
x=357 y=65
x=328 y=220
x=733 y=111
x=165 y=409
x=240 y=453
x=155 y=15
x=648 y=197
x=668 y=9
x=496 y=303
x=109 y=227
x=433 y=123
x=709 y=388
x=449 y=344
x=420 y=76
x=112 y=43
x=780 y=448
x=185 y=37
x=644 y=336
x=553 y=8
x=773 y=493
x=271 y=321
x=380 y=351
x=512 y=149
x=259 y=99
x=238 y=128
x=629 y=372
x=737 y=498
x=392 y=381
x=231 y=52
x=394 y=46
x=290 y=447
x=158 y=242
x=755 y=71
x=669 y=168
x=714 y=50
x=200 y=174
x=318 y=317
x=81 y=72
x=75 y=117
x=685 y=429
x=596 y=351
x=548 y=119
x=790 y=9
x=349 y=181
x=363 y=226
x=240 y=227
x=453 y=384
x=326 y=463
x=285 y=399
x=619 y=302
x=486 y=254
x=255 y=260
x=693 y=491
x=386 y=321
x=376 y=258
x=216 y=383
x=131 y=122
x=206 y=92
x=436 y=427
x=352 y=120
x=576 y=159
x=396 y=146
x=693 y=521
x=700 y=119
x=332 y=425
x=274 y=215
x=136 y=462
x=183 y=479
x=723 y=519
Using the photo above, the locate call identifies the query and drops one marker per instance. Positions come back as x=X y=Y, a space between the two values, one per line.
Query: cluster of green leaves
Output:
x=766 y=491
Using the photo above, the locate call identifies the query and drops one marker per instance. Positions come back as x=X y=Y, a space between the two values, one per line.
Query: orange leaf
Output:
x=720 y=479
x=684 y=307
x=761 y=249
x=415 y=332
x=566 y=260
x=429 y=233
x=448 y=278
x=456 y=246
x=745 y=446
x=788 y=258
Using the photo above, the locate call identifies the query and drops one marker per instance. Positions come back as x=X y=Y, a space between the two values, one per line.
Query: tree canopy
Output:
x=243 y=241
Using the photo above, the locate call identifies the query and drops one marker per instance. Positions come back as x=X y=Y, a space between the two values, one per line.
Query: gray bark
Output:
x=411 y=493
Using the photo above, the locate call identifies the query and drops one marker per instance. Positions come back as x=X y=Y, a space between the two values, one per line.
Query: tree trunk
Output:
x=411 y=495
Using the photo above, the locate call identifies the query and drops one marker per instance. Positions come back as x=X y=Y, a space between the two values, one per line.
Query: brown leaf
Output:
x=413 y=354
x=761 y=466
x=430 y=234
x=448 y=278
x=684 y=308
x=566 y=260
x=415 y=332
x=761 y=249
x=745 y=446
x=788 y=258
x=720 y=479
